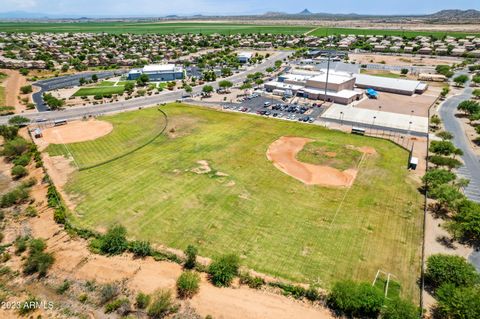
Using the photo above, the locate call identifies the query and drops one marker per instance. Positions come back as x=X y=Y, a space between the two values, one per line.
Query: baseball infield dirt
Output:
x=76 y=131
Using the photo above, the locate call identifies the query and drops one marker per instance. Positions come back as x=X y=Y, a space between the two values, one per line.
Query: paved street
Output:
x=164 y=97
x=471 y=169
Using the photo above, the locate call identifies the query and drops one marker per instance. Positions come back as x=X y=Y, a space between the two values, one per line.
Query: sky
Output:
x=230 y=7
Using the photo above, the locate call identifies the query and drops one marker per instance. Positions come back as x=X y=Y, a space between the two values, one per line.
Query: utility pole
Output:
x=328 y=67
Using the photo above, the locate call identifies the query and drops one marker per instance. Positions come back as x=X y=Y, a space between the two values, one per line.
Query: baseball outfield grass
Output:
x=245 y=205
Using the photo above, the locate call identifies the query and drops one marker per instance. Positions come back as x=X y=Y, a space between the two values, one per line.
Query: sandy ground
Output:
x=12 y=86
x=402 y=104
x=75 y=262
x=283 y=153
x=400 y=60
x=471 y=134
x=77 y=131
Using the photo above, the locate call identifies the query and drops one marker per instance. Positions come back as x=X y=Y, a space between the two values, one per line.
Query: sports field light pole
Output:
x=328 y=66
x=373 y=122
x=341 y=118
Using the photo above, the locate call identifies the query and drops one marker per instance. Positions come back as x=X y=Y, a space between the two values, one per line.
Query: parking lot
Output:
x=274 y=107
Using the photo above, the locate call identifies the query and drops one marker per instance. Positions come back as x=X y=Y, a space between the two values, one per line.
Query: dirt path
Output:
x=283 y=154
x=75 y=262
x=12 y=86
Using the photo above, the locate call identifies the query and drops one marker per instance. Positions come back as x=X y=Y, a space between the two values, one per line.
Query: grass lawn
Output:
x=385 y=74
x=160 y=28
x=277 y=225
x=122 y=83
x=102 y=90
x=106 y=83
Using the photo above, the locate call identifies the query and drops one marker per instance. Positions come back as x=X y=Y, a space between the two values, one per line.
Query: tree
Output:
x=8 y=132
x=245 y=86
x=226 y=72
x=436 y=177
x=188 y=88
x=18 y=171
x=191 y=254
x=18 y=120
x=65 y=67
x=82 y=81
x=444 y=70
x=458 y=302
x=140 y=248
x=38 y=261
x=435 y=120
x=449 y=269
x=449 y=162
x=445 y=91
x=94 y=78
x=278 y=63
x=52 y=101
x=448 y=196
x=143 y=79
x=442 y=147
x=129 y=87
x=461 y=79
x=444 y=135
x=24 y=71
x=356 y=299
x=466 y=222
x=223 y=270
x=188 y=284
x=469 y=107
x=404 y=71
x=225 y=84
x=114 y=242
x=207 y=89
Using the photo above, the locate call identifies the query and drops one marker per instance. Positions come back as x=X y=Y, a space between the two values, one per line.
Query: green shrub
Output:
x=114 y=242
x=458 y=302
x=26 y=89
x=295 y=291
x=83 y=298
x=31 y=211
x=38 y=261
x=63 y=287
x=117 y=304
x=140 y=248
x=188 y=284
x=19 y=171
x=447 y=269
x=15 y=147
x=251 y=281
x=21 y=244
x=355 y=299
x=16 y=196
x=449 y=162
x=313 y=294
x=142 y=300
x=191 y=254
x=22 y=160
x=400 y=309
x=223 y=270
x=60 y=215
x=162 y=305
x=107 y=293
x=28 y=306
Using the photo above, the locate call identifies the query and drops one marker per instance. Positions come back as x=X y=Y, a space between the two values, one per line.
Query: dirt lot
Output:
x=400 y=60
x=77 y=131
x=12 y=86
x=402 y=104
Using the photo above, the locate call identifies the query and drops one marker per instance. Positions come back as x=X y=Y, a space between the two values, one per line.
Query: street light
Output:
x=341 y=118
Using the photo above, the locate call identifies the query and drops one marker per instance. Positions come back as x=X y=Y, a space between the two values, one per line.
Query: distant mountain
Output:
x=459 y=15
x=305 y=12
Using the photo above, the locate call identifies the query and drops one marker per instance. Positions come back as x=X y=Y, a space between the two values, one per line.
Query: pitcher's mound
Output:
x=283 y=154
x=76 y=131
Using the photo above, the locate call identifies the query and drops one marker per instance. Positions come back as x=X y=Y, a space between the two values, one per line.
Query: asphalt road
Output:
x=471 y=169
x=63 y=82
x=132 y=104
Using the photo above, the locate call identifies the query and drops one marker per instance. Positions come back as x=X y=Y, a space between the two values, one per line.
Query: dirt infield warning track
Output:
x=77 y=131
x=283 y=154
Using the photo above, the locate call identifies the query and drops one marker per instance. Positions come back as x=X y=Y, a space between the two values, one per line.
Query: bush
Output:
x=21 y=244
x=436 y=177
x=18 y=120
x=38 y=261
x=26 y=89
x=15 y=147
x=107 y=293
x=117 y=304
x=458 y=302
x=191 y=254
x=114 y=242
x=251 y=281
x=446 y=269
x=400 y=309
x=31 y=211
x=28 y=305
x=63 y=287
x=466 y=222
x=142 y=300
x=60 y=215
x=188 y=284
x=16 y=196
x=140 y=248
x=162 y=305
x=313 y=294
x=22 y=160
x=356 y=299
x=223 y=270
x=18 y=171
x=295 y=291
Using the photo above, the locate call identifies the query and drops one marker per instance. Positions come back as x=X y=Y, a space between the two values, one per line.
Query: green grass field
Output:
x=159 y=28
x=102 y=90
x=277 y=224
x=329 y=154
x=205 y=28
x=2 y=96
x=321 y=32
